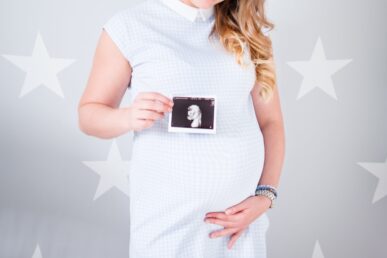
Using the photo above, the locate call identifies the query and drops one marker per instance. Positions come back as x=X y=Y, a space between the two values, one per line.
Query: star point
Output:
x=317 y=252
x=379 y=170
x=37 y=252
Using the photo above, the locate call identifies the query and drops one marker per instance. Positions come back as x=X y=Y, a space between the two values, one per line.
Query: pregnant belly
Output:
x=203 y=171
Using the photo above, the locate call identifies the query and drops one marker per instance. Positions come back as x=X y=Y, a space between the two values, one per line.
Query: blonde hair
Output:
x=240 y=23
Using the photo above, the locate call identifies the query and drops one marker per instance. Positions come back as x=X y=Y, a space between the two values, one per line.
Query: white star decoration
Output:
x=378 y=169
x=113 y=172
x=317 y=252
x=37 y=253
x=40 y=68
x=318 y=71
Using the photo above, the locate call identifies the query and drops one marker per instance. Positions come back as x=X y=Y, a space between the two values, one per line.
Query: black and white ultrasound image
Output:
x=193 y=112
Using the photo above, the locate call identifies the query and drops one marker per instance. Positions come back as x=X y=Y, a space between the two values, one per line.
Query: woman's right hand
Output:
x=146 y=108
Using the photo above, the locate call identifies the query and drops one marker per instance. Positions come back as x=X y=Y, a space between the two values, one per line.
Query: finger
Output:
x=237 y=217
x=219 y=215
x=238 y=207
x=149 y=115
x=223 y=232
x=157 y=106
x=155 y=96
x=234 y=237
x=223 y=223
x=144 y=123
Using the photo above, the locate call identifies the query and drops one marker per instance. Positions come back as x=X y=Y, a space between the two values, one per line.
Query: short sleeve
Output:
x=118 y=29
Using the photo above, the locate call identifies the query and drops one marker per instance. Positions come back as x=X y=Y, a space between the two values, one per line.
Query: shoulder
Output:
x=136 y=21
x=126 y=27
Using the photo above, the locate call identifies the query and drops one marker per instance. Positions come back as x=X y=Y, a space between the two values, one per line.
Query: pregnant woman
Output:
x=192 y=195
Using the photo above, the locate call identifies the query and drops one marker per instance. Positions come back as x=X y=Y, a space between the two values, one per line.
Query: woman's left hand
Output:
x=237 y=218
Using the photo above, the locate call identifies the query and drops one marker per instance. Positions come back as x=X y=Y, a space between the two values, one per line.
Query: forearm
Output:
x=102 y=121
x=274 y=140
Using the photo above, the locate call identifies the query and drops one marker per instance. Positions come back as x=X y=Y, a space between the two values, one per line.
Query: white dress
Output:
x=176 y=178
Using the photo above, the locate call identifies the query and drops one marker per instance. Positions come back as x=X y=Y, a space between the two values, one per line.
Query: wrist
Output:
x=268 y=191
x=264 y=199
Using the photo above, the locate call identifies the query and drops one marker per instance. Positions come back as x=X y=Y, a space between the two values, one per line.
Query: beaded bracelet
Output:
x=268 y=187
x=268 y=194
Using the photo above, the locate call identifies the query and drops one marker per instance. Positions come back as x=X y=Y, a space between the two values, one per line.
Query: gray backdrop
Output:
x=62 y=193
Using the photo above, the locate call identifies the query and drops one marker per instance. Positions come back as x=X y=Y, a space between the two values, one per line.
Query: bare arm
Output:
x=98 y=110
x=269 y=117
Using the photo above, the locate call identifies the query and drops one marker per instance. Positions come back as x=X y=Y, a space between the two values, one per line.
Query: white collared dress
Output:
x=176 y=178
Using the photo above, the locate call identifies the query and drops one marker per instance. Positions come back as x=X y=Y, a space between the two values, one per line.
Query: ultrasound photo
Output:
x=193 y=114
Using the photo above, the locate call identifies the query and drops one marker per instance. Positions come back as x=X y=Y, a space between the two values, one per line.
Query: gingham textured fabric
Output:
x=176 y=178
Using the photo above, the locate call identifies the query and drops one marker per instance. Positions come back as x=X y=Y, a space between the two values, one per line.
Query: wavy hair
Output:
x=240 y=24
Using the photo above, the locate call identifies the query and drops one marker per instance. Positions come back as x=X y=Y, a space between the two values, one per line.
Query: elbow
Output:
x=82 y=123
x=85 y=124
x=82 y=127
